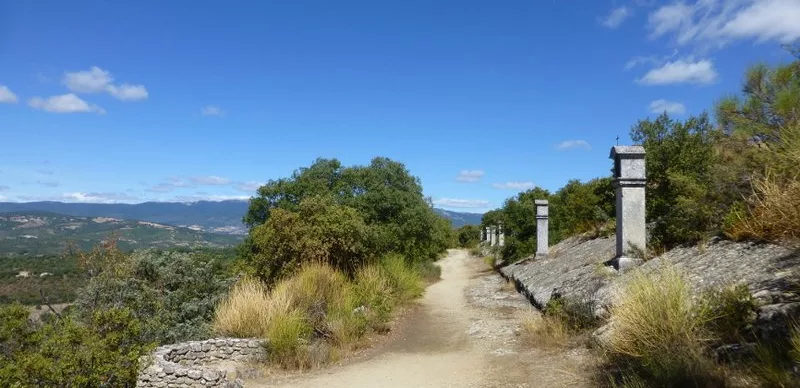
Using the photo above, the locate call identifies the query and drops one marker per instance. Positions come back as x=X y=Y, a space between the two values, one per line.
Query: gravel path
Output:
x=464 y=333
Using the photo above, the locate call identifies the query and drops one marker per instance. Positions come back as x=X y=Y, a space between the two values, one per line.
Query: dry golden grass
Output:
x=543 y=331
x=657 y=332
x=774 y=213
x=244 y=312
x=310 y=317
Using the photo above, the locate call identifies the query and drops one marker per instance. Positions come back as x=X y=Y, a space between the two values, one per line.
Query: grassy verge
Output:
x=313 y=316
x=561 y=323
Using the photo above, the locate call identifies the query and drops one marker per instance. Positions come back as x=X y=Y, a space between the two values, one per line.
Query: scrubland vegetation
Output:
x=332 y=252
x=734 y=177
x=737 y=179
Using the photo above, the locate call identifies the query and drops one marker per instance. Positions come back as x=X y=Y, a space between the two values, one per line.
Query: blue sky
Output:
x=185 y=100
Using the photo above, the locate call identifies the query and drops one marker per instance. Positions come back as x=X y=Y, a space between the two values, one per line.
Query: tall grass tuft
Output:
x=658 y=335
x=544 y=331
x=309 y=317
x=406 y=283
x=244 y=312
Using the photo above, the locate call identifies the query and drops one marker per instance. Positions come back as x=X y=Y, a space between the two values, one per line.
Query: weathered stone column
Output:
x=501 y=237
x=492 y=236
x=542 y=228
x=488 y=236
x=629 y=181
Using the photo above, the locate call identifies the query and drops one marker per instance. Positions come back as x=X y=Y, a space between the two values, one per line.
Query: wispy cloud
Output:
x=616 y=17
x=514 y=185
x=671 y=107
x=681 y=71
x=461 y=203
x=98 y=197
x=4 y=188
x=97 y=80
x=249 y=186
x=209 y=197
x=173 y=183
x=210 y=180
x=653 y=60
x=48 y=183
x=65 y=103
x=714 y=23
x=212 y=110
x=7 y=96
x=469 y=175
x=170 y=184
x=574 y=144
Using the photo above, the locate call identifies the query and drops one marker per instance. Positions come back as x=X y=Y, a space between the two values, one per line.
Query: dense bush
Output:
x=319 y=230
x=102 y=351
x=468 y=236
x=345 y=216
x=173 y=293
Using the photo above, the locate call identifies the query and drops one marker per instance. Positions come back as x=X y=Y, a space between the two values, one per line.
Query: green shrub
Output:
x=728 y=312
x=468 y=236
x=104 y=351
x=172 y=293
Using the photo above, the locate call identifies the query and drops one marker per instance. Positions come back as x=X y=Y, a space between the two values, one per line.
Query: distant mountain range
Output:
x=459 y=219
x=35 y=233
x=209 y=216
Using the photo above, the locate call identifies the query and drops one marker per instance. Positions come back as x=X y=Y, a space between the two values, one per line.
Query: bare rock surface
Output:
x=577 y=269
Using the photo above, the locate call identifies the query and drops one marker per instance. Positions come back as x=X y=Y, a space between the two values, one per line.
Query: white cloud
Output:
x=65 y=103
x=211 y=180
x=514 y=185
x=616 y=17
x=714 y=23
x=126 y=92
x=209 y=197
x=671 y=107
x=461 y=203
x=248 y=186
x=7 y=96
x=681 y=71
x=97 y=80
x=212 y=110
x=96 y=197
x=173 y=183
x=572 y=144
x=469 y=175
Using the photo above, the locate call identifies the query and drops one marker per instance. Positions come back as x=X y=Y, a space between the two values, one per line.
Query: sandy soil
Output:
x=464 y=333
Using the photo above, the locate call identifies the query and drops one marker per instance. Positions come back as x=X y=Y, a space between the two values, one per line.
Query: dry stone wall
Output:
x=192 y=364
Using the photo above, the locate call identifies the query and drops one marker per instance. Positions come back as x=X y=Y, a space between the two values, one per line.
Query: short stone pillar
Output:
x=488 y=238
x=542 y=228
x=629 y=181
x=501 y=237
x=492 y=236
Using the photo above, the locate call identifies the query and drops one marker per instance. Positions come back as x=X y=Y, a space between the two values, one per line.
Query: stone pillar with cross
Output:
x=629 y=182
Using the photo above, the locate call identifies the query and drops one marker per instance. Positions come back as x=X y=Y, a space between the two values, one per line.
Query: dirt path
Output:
x=463 y=334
